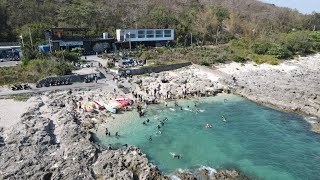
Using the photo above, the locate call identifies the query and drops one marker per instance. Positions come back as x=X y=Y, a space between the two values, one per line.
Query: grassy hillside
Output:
x=210 y=21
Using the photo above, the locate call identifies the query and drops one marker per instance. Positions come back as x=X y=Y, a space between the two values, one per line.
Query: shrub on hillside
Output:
x=278 y=51
x=260 y=59
x=260 y=47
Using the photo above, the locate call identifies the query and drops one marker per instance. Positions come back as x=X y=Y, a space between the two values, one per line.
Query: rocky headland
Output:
x=294 y=85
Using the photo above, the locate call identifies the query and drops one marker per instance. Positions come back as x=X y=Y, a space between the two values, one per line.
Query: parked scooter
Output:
x=16 y=87
x=26 y=86
x=87 y=80
x=38 y=85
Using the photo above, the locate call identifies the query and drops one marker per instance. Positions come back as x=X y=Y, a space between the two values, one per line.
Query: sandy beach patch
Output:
x=11 y=111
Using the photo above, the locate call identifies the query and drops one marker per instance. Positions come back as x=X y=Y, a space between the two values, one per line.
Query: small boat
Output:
x=124 y=101
x=87 y=106
x=99 y=104
x=113 y=106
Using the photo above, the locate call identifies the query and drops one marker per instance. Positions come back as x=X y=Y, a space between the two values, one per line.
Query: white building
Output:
x=144 y=35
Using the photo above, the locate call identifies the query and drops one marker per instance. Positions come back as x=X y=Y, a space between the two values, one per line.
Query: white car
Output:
x=86 y=65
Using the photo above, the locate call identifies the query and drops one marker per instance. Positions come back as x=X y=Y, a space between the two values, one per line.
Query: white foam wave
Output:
x=311 y=120
x=211 y=170
x=174 y=177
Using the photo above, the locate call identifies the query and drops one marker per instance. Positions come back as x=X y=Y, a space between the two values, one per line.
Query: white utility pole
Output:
x=22 y=42
x=30 y=38
x=129 y=41
x=50 y=45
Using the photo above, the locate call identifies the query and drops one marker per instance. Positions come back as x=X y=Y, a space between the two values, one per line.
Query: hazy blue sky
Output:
x=304 y=6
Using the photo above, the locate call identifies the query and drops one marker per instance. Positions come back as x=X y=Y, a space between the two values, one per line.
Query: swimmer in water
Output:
x=150 y=138
x=109 y=147
x=148 y=120
x=159 y=127
x=208 y=126
x=223 y=118
x=176 y=156
x=144 y=123
x=181 y=108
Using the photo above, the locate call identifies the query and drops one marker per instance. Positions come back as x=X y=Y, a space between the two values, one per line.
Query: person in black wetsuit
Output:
x=150 y=138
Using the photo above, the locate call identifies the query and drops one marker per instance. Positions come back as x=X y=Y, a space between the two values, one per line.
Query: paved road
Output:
x=96 y=59
x=105 y=83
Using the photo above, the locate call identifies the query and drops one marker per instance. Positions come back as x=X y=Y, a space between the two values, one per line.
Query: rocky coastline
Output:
x=293 y=86
x=53 y=139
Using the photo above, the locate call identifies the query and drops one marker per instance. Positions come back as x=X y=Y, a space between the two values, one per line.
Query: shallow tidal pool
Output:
x=261 y=142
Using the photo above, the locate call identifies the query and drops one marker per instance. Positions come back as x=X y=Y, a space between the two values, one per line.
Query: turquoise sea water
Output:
x=261 y=142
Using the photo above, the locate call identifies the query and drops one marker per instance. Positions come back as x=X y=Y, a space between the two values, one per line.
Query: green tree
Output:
x=5 y=29
x=221 y=13
x=77 y=13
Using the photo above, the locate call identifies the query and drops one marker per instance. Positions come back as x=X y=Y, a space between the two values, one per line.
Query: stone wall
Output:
x=73 y=78
x=157 y=69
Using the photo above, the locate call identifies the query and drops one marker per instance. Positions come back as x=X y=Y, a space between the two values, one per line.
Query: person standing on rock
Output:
x=96 y=78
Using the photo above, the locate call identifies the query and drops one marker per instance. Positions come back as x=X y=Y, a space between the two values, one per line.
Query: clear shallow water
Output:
x=261 y=142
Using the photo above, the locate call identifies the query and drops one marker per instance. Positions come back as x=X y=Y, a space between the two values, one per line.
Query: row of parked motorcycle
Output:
x=18 y=87
x=57 y=82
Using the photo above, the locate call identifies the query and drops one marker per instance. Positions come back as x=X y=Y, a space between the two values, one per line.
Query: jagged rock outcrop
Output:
x=296 y=89
x=127 y=163
x=31 y=150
